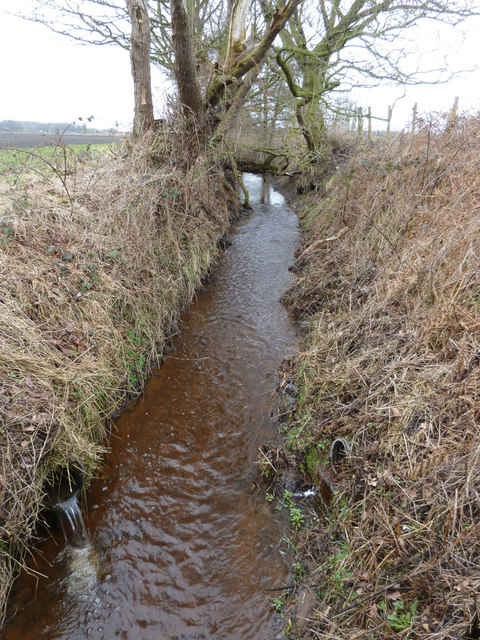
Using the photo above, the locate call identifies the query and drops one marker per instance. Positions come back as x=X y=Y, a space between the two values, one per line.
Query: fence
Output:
x=361 y=122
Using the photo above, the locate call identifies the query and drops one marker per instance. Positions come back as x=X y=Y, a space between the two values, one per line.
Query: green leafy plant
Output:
x=7 y=232
x=21 y=203
x=265 y=468
x=136 y=353
x=288 y=498
x=278 y=604
x=298 y=571
x=113 y=254
x=296 y=517
x=401 y=617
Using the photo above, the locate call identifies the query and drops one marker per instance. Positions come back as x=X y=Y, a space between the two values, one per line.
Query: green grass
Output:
x=50 y=158
x=15 y=155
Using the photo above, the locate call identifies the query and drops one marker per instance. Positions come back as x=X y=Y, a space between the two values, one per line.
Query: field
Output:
x=35 y=140
x=61 y=160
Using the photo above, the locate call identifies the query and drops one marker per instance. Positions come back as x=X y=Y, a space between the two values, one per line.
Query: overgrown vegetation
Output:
x=97 y=261
x=388 y=288
x=51 y=162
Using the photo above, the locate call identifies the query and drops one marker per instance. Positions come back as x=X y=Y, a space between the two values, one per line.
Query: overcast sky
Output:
x=45 y=77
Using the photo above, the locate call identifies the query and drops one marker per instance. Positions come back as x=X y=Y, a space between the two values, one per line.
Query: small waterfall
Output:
x=71 y=519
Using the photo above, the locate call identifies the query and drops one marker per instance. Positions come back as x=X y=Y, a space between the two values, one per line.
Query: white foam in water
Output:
x=79 y=556
x=305 y=494
x=83 y=569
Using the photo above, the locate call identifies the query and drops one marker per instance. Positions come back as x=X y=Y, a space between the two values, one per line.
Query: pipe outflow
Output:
x=62 y=485
x=62 y=498
x=338 y=451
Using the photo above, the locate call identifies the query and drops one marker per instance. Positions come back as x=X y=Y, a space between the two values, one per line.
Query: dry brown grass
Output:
x=392 y=365
x=93 y=277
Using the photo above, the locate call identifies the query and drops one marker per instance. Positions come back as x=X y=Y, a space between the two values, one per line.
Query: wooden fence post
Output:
x=414 y=117
x=389 y=121
x=360 y=121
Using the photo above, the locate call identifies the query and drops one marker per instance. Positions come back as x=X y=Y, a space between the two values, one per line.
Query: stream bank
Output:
x=182 y=542
x=98 y=258
x=387 y=290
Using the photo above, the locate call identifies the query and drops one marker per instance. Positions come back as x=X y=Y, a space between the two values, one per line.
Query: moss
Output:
x=313 y=457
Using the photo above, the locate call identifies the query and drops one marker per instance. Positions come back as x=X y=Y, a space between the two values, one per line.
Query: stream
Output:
x=182 y=544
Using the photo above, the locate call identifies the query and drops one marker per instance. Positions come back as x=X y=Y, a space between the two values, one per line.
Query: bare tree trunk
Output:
x=223 y=79
x=237 y=31
x=185 y=71
x=140 y=61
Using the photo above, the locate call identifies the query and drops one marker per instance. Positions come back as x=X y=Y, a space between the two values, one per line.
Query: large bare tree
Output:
x=330 y=44
x=232 y=75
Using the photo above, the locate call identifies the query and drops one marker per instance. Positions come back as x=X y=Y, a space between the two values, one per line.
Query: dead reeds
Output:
x=392 y=306
x=92 y=281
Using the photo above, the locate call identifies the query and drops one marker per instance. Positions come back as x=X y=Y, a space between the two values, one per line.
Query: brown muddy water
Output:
x=182 y=544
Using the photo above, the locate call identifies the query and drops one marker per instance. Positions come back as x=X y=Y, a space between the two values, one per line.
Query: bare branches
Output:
x=106 y=22
x=350 y=43
x=252 y=58
x=99 y=22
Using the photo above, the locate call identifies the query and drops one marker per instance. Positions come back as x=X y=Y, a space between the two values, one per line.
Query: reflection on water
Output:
x=266 y=191
x=183 y=545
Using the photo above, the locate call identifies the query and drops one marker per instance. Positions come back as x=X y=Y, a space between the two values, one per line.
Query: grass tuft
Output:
x=391 y=300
